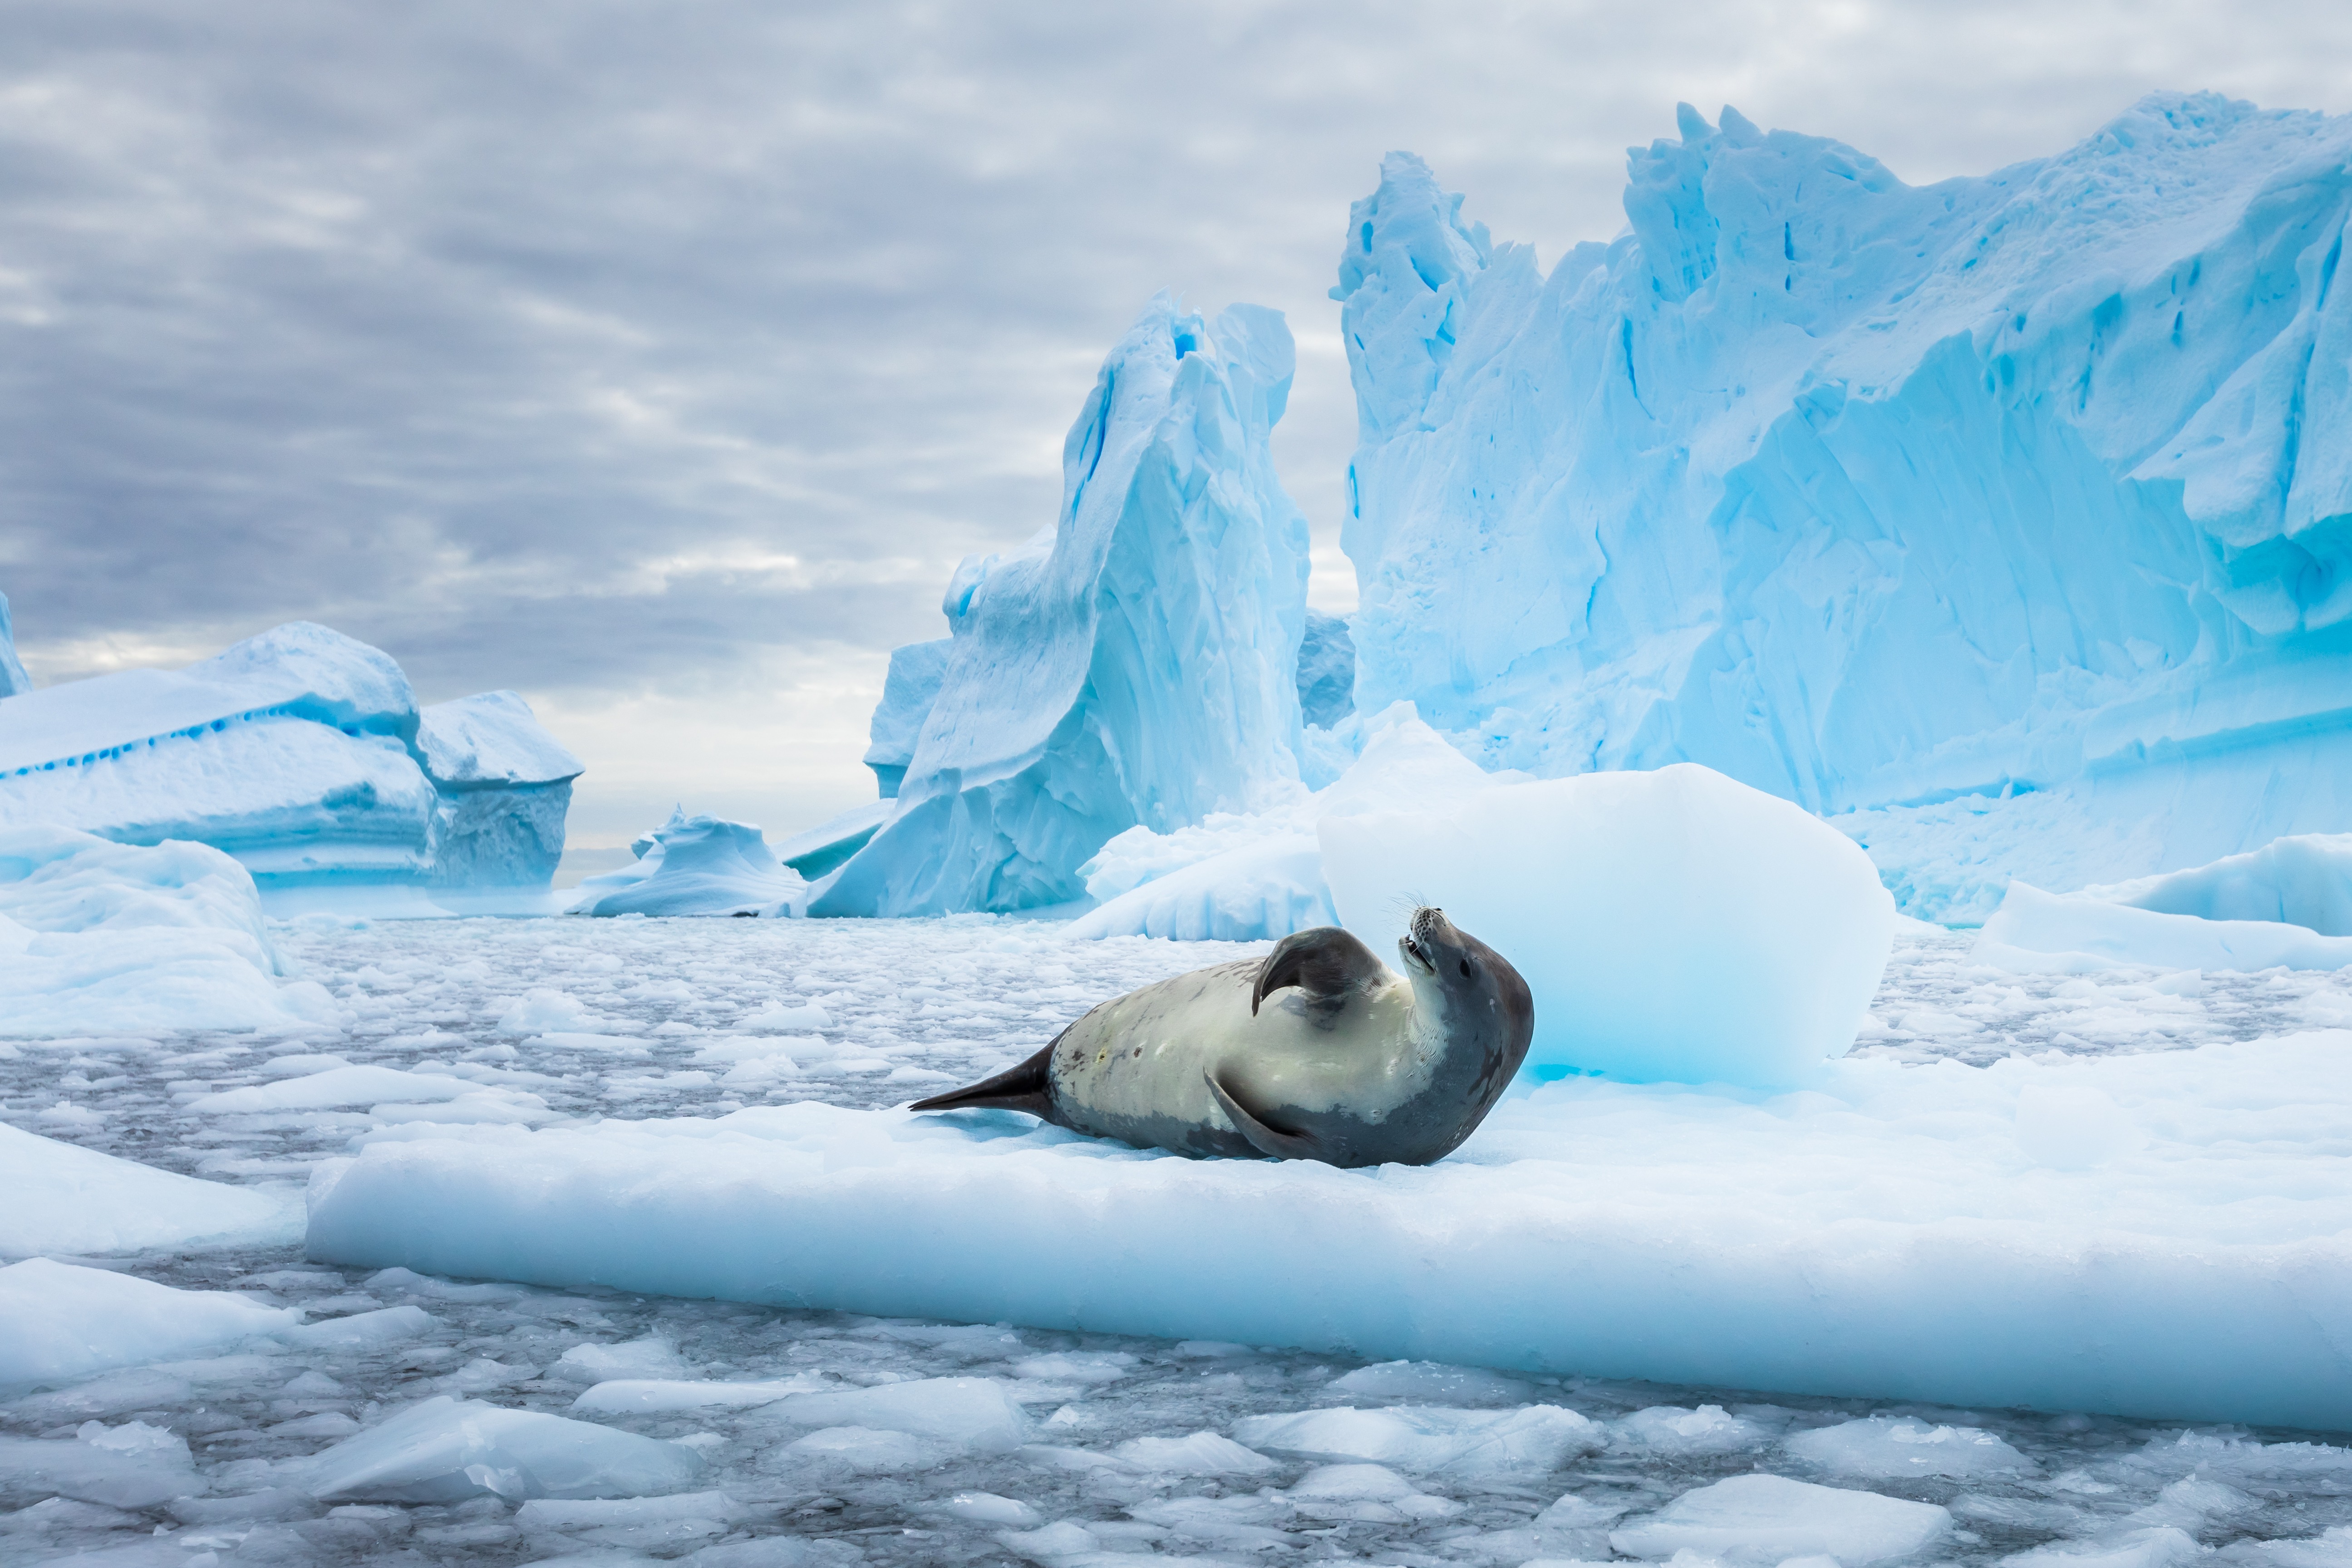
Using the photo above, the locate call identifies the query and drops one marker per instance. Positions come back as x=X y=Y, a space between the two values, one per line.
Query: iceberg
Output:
x=67 y=1199
x=1326 y=670
x=304 y=754
x=1882 y=498
x=695 y=866
x=14 y=681
x=1135 y=663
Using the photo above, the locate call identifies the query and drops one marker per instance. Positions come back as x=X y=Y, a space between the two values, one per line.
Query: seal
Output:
x=1318 y=1052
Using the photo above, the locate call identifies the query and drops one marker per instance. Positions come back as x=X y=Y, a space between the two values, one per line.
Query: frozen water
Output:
x=1733 y=487
x=68 y=1200
x=1770 y=1519
x=1134 y=663
x=2304 y=881
x=1881 y=1446
x=1114 y=1463
x=449 y=1449
x=1673 y=924
x=60 y=1325
x=2034 y=929
x=695 y=866
x=304 y=754
x=98 y=936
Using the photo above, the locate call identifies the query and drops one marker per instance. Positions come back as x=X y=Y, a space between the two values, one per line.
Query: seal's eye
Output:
x=1466 y=969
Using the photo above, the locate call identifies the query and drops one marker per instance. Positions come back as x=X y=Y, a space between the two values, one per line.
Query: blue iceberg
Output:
x=1133 y=664
x=695 y=866
x=304 y=754
x=1907 y=504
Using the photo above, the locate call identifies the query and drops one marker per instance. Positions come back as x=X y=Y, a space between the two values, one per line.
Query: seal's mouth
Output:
x=1413 y=945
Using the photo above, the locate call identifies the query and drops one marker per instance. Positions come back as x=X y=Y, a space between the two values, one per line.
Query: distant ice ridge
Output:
x=304 y=754
x=2288 y=904
x=1929 y=503
x=695 y=866
x=14 y=681
x=1133 y=664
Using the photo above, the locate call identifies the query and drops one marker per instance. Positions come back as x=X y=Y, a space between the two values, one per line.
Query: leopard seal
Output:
x=1319 y=1051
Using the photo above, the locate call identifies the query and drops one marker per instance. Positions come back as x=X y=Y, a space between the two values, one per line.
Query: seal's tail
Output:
x=1024 y=1087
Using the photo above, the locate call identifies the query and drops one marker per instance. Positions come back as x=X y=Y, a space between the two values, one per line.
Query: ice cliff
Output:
x=304 y=754
x=1901 y=501
x=1135 y=663
x=14 y=681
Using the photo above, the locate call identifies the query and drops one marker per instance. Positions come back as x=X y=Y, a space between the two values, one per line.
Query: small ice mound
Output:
x=1672 y=1429
x=1673 y=925
x=656 y=1523
x=2035 y=931
x=697 y=866
x=1770 y=1518
x=652 y=1395
x=1371 y=1493
x=653 y=1357
x=967 y=1411
x=131 y=1466
x=331 y=1088
x=1201 y=1453
x=988 y=1507
x=63 y=1198
x=781 y=1018
x=2167 y=1547
x=868 y=1451
x=1427 y=1437
x=361 y=1330
x=1887 y=1446
x=543 y=1010
x=2330 y=1549
x=1432 y=1381
x=445 y=1450
x=1268 y=887
x=1079 y=1366
x=60 y=1322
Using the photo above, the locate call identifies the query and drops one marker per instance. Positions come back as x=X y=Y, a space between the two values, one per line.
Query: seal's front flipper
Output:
x=1326 y=963
x=1024 y=1087
x=1266 y=1140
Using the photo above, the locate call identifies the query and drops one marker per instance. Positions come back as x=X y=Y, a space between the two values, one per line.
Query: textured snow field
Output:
x=540 y=1021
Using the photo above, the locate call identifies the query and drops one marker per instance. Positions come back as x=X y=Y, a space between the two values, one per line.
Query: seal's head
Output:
x=1473 y=988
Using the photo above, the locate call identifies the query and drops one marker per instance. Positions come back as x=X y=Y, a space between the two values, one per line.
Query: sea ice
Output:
x=1431 y=1438
x=79 y=1202
x=99 y=937
x=1733 y=487
x=304 y=754
x=1894 y=1231
x=1770 y=1519
x=129 y=1466
x=60 y=1323
x=1134 y=663
x=1886 y=1446
x=1674 y=924
x=695 y=866
x=2034 y=929
x=447 y=1450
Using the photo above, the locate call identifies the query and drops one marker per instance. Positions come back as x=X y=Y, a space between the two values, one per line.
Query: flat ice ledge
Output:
x=2161 y=1234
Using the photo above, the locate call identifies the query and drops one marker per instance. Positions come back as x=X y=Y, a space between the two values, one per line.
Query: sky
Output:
x=659 y=361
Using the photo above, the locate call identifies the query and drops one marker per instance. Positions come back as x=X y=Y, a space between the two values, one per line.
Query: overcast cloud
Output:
x=661 y=361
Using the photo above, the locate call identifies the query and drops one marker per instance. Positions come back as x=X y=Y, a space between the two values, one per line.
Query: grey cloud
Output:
x=449 y=324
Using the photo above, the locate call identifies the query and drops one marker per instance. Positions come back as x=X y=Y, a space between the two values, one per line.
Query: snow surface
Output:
x=1673 y=924
x=2034 y=929
x=1132 y=1443
x=304 y=754
x=698 y=865
x=1134 y=663
x=2028 y=490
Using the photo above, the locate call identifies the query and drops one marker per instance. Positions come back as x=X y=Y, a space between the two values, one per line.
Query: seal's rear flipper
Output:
x=1326 y=963
x=1023 y=1087
x=1266 y=1140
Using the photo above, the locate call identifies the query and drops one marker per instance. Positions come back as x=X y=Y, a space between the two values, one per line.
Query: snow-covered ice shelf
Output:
x=1051 y=1445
